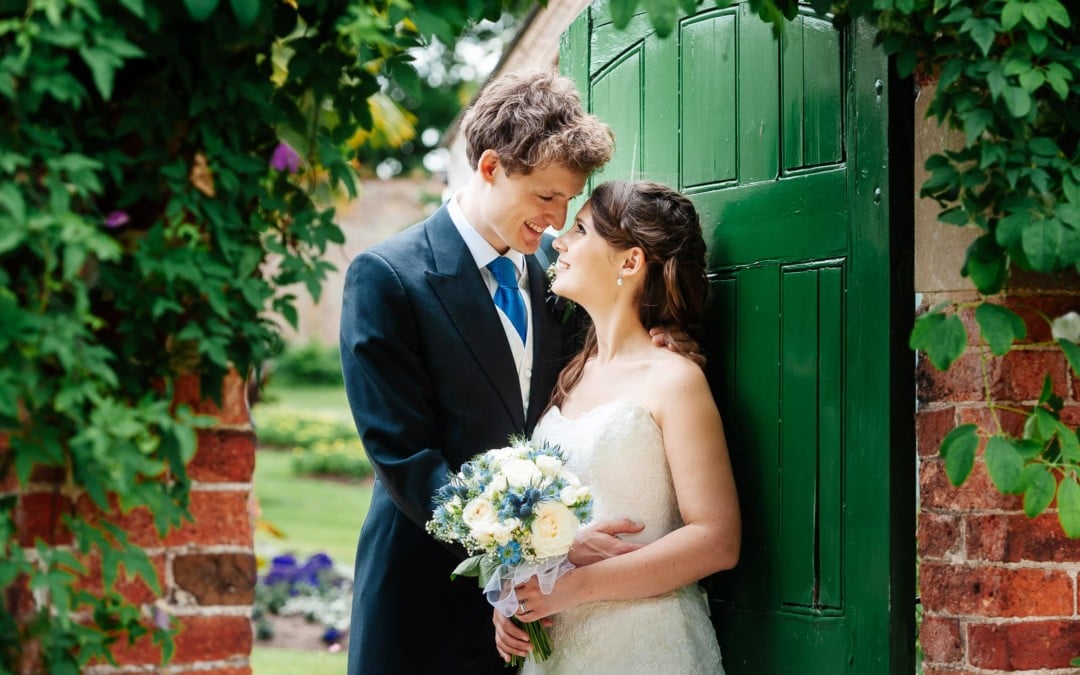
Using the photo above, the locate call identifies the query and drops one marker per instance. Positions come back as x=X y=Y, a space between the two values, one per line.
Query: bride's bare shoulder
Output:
x=674 y=374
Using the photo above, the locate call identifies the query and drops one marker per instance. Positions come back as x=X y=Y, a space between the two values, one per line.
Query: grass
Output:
x=314 y=515
x=271 y=661
x=326 y=399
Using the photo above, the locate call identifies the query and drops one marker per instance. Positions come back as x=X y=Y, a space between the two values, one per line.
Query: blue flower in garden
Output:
x=510 y=554
x=282 y=569
x=331 y=636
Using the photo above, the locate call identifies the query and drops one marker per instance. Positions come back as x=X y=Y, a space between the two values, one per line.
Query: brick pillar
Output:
x=206 y=568
x=999 y=590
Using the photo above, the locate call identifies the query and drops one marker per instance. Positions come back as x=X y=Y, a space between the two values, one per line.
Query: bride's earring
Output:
x=619 y=282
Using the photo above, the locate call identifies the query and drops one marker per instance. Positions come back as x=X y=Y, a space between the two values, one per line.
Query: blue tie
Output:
x=508 y=295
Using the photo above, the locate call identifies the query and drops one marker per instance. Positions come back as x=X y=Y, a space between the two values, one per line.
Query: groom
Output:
x=448 y=348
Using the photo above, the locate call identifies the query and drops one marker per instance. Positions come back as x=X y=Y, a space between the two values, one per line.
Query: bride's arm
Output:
x=709 y=541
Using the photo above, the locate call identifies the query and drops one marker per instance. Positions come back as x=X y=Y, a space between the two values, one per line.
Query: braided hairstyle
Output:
x=665 y=225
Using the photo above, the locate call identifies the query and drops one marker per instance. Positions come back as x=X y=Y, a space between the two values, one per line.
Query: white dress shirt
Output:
x=483 y=253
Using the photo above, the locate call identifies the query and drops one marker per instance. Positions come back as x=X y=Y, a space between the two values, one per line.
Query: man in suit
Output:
x=448 y=347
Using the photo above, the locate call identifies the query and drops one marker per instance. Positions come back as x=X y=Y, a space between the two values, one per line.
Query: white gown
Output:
x=617 y=450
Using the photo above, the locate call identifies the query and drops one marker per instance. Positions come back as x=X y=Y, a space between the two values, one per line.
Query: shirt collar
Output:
x=482 y=252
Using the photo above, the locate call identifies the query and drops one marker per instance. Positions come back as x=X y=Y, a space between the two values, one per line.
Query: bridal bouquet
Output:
x=517 y=510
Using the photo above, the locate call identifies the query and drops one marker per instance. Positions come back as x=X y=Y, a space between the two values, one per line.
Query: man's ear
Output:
x=634 y=263
x=487 y=164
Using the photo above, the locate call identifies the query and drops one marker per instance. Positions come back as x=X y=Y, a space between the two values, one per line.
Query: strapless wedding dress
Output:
x=617 y=450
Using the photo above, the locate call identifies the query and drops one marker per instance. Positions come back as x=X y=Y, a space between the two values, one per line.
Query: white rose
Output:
x=1066 y=327
x=553 y=529
x=502 y=533
x=548 y=465
x=571 y=495
x=478 y=512
x=520 y=472
x=501 y=454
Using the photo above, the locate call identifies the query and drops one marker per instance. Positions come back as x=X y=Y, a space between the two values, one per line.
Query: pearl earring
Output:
x=619 y=282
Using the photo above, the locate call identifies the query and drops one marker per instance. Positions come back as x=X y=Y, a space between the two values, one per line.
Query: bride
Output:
x=640 y=427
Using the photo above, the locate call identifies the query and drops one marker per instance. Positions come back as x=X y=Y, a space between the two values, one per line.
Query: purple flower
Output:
x=161 y=619
x=285 y=158
x=117 y=219
x=331 y=635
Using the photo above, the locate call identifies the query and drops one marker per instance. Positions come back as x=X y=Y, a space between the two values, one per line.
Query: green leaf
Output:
x=1072 y=353
x=958 y=450
x=662 y=15
x=1044 y=146
x=469 y=567
x=1035 y=14
x=1037 y=41
x=1032 y=80
x=1056 y=12
x=488 y=567
x=1017 y=101
x=200 y=10
x=246 y=11
x=954 y=216
x=103 y=65
x=1000 y=327
x=943 y=338
x=985 y=265
x=1041 y=241
x=622 y=11
x=1068 y=497
x=1011 y=14
x=1040 y=489
x=1004 y=464
x=136 y=7
x=1047 y=389
x=975 y=123
x=983 y=32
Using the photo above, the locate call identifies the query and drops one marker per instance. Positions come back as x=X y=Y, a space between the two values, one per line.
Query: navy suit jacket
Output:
x=431 y=382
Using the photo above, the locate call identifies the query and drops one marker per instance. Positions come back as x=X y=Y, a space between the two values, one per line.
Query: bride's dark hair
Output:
x=665 y=225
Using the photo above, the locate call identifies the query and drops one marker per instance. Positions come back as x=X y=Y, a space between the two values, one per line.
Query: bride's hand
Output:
x=539 y=605
x=510 y=639
x=599 y=541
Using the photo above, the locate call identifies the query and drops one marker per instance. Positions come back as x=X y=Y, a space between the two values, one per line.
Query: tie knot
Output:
x=503 y=270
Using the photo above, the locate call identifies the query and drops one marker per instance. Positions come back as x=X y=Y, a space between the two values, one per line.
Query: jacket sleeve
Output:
x=389 y=386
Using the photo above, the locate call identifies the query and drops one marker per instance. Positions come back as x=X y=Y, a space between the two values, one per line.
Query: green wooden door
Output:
x=783 y=147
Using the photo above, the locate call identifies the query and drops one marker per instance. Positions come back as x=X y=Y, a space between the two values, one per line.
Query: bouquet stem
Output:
x=539 y=638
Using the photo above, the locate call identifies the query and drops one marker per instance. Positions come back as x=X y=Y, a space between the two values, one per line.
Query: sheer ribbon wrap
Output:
x=500 y=588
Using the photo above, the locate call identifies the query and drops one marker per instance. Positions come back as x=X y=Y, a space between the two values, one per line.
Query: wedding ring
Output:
x=523 y=608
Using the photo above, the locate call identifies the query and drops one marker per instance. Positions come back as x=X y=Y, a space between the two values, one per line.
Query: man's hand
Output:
x=599 y=541
x=678 y=341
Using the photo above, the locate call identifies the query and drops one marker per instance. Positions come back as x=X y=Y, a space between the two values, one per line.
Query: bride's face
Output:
x=588 y=266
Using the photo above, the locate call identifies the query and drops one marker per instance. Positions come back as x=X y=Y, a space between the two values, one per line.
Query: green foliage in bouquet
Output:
x=153 y=155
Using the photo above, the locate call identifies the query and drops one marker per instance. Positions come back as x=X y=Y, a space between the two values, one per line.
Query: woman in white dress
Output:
x=640 y=427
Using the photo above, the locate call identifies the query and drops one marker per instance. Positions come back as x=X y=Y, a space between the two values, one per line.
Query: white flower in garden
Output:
x=1066 y=327
x=520 y=472
x=478 y=512
x=548 y=465
x=553 y=529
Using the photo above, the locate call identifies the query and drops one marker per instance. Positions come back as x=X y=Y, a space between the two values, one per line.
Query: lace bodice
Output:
x=618 y=451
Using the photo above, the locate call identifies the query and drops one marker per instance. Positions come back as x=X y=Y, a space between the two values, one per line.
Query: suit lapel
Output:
x=547 y=343
x=461 y=290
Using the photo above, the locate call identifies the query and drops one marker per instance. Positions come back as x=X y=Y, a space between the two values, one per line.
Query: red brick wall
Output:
x=999 y=591
x=206 y=568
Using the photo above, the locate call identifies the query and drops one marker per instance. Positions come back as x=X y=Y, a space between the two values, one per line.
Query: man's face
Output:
x=517 y=208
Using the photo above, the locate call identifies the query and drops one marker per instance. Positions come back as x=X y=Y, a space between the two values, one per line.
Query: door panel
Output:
x=758 y=133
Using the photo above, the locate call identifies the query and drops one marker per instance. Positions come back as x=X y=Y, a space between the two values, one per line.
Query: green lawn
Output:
x=314 y=515
x=270 y=661
x=326 y=399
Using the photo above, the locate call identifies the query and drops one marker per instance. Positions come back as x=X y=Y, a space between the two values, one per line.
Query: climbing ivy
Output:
x=153 y=155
